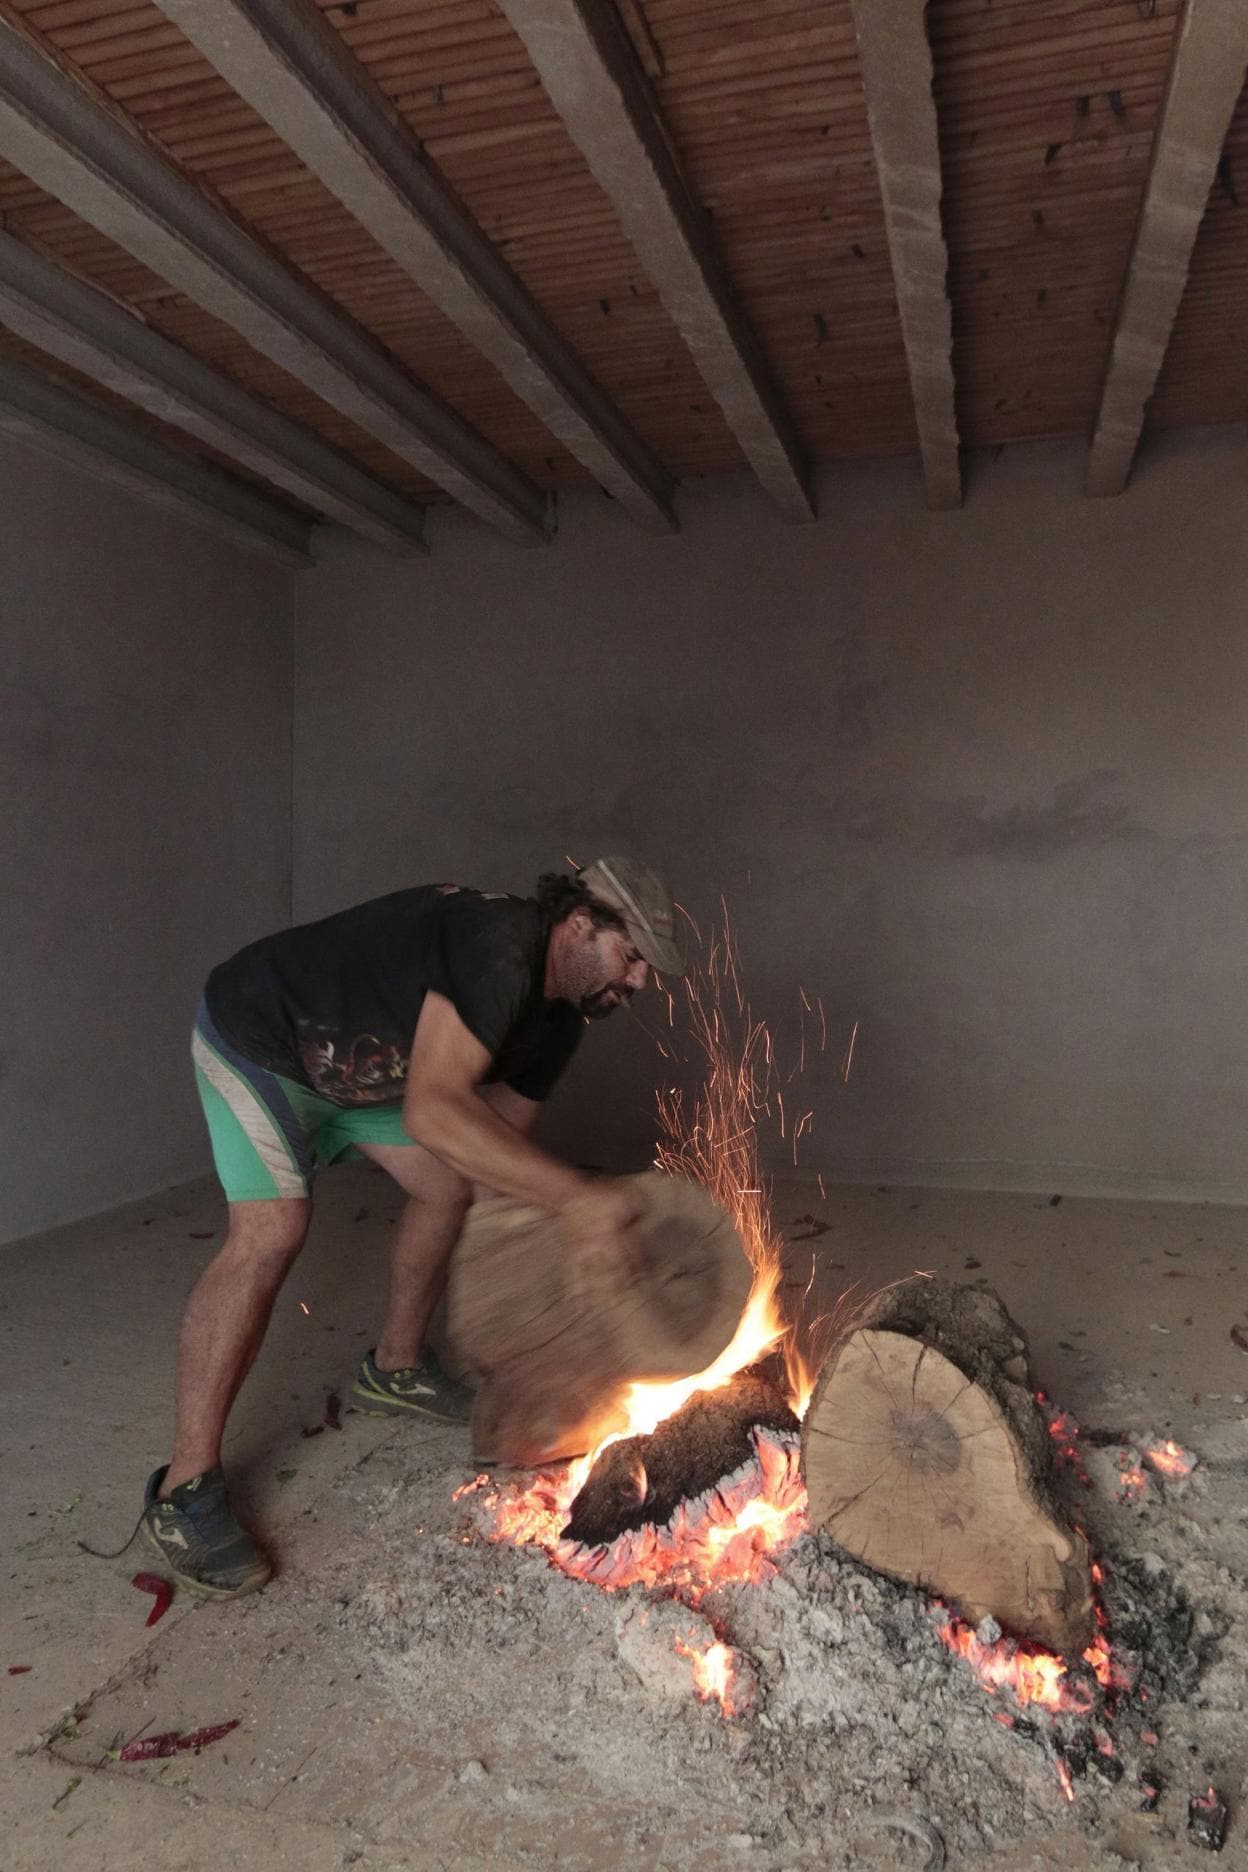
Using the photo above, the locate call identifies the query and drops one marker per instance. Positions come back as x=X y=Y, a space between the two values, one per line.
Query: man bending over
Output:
x=421 y=1030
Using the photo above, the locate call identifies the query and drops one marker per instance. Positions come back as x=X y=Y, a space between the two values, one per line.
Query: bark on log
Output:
x=645 y=1478
x=550 y=1365
x=925 y=1457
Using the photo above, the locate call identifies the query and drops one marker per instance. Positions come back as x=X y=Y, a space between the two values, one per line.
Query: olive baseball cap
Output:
x=640 y=897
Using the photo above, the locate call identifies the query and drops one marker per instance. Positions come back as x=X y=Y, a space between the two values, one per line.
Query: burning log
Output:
x=645 y=1478
x=926 y=1458
x=552 y=1365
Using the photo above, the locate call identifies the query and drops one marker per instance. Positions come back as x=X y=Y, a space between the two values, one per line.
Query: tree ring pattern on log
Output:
x=919 y=1471
x=926 y=1440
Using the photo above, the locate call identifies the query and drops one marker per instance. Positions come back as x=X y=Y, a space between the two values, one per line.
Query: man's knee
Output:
x=268 y=1231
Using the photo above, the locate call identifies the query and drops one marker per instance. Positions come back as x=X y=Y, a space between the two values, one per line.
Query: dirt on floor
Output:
x=411 y=1694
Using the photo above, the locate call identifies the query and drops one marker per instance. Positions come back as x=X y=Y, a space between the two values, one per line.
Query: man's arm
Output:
x=443 y=1110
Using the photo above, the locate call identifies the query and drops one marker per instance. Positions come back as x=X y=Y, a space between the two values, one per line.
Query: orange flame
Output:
x=732 y=1534
x=712 y=1140
x=712 y=1674
x=1033 y=1676
x=1169 y=1460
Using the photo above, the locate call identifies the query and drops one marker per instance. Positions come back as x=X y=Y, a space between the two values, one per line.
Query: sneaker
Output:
x=422 y=1390
x=196 y=1535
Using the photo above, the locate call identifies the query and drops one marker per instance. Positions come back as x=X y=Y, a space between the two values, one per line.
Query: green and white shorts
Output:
x=270 y=1135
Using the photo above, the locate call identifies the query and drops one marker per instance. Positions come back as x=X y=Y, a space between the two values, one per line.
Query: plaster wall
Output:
x=145 y=766
x=978 y=779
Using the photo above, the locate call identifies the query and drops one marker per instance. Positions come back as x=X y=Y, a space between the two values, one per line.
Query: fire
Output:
x=712 y=1674
x=1032 y=1676
x=715 y=1142
x=712 y=1141
x=734 y=1533
x=1169 y=1460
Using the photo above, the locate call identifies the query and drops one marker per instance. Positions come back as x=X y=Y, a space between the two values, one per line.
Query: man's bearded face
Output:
x=603 y=972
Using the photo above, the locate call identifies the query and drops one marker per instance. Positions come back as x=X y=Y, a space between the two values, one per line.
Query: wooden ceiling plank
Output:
x=1206 y=75
x=55 y=131
x=72 y=321
x=594 y=78
x=36 y=410
x=897 y=78
x=293 y=69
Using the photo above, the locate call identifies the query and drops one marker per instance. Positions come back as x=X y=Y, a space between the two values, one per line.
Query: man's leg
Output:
x=225 y=1322
x=437 y=1199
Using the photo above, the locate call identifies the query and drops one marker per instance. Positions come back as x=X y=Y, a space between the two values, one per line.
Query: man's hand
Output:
x=599 y=1223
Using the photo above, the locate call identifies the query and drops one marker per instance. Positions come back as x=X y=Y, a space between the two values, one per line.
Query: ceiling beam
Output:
x=95 y=161
x=36 y=410
x=87 y=329
x=1206 y=76
x=294 y=69
x=895 y=59
x=595 y=81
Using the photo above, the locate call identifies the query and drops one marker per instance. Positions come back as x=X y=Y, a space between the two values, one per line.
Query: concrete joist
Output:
x=594 y=78
x=896 y=63
x=293 y=68
x=1206 y=75
x=37 y=410
x=55 y=132
x=85 y=328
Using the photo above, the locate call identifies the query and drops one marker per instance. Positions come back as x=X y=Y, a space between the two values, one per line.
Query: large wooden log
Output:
x=645 y=1478
x=549 y=1363
x=925 y=1457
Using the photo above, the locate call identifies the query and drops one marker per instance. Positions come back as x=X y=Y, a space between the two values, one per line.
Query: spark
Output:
x=304 y=1305
x=849 y=1057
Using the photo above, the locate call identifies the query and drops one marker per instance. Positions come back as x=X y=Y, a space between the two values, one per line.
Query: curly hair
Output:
x=559 y=896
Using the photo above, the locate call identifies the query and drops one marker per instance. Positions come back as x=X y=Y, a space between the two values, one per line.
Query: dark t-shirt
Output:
x=333 y=1005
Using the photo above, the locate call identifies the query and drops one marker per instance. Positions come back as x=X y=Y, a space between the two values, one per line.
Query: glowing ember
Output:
x=732 y=1533
x=712 y=1674
x=1169 y=1460
x=1132 y=1484
x=1063 y=1775
x=1065 y=1434
x=1033 y=1676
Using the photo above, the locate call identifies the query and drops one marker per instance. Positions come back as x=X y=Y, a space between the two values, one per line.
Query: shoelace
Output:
x=97 y=1553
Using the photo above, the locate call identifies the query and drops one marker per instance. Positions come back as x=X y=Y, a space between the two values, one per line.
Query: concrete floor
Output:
x=1119 y=1300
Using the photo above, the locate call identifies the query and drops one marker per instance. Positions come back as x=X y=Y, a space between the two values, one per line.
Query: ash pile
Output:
x=859 y=1736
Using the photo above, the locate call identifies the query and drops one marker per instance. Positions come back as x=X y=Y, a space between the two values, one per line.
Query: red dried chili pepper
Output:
x=161 y=1591
x=19 y=1670
x=200 y=1738
x=152 y=1748
x=172 y=1742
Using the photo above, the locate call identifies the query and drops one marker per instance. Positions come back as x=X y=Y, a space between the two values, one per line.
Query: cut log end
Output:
x=921 y=1472
x=552 y=1364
